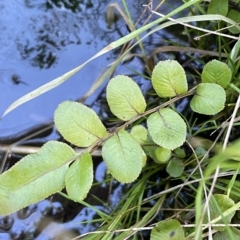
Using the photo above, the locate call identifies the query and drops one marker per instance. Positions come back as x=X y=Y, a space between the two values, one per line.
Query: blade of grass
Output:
x=233 y=56
x=132 y=200
x=103 y=215
x=125 y=205
x=232 y=151
x=54 y=83
x=145 y=220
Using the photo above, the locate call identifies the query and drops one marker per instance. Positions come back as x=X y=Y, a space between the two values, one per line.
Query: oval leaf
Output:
x=78 y=124
x=125 y=98
x=217 y=72
x=218 y=204
x=209 y=99
x=140 y=134
x=235 y=16
x=218 y=7
x=167 y=128
x=169 y=79
x=180 y=153
x=35 y=177
x=167 y=230
x=162 y=155
x=158 y=154
x=79 y=177
x=175 y=167
x=123 y=157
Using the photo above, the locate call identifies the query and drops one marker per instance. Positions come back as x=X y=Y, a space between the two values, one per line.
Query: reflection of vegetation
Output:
x=44 y=58
x=73 y=5
x=54 y=29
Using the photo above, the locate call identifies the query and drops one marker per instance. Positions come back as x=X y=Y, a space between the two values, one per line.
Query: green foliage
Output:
x=79 y=177
x=209 y=99
x=140 y=133
x=168 y=230
x=123 y=156
x=218 y=7
x=175 y=167
x=78 y=124
x=162 y=155
x=57 y=165
x=229 y=8
x=125 y=98
x=221 y=207
x=167 y=128
x=152 y=129
x=35 y=177
x=218 y=204
x=180 y=153
x=158 y=154
x=169 y=79
x=223 y=235
x=217 y=72
x=235 y=16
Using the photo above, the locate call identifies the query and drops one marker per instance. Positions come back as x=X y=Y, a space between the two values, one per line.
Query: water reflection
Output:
x=75 y=5
x=40 y=40
x=55 y=28
x=49 y=26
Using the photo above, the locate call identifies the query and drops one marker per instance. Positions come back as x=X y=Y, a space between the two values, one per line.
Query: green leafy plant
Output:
x=226 y=8
x=57 y=165
x=170 y=229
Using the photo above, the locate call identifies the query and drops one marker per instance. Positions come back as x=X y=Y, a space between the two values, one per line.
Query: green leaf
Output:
x=158 y=154
x=169 y=79
x=35 y=177
x=218 y=7
x=162 y=155
x=167 y=128
x=209 y=99
x=150 y=150
x=79 y=177
x=140 y=134
x=235 y=16
x=78 y=124
x=218 y=204
x=175 y=167
x=144 y=159
x=123 y=157
x=167 y=230
x=223 y=235
x=180 y=153
x=125 y=98
x=217 y=72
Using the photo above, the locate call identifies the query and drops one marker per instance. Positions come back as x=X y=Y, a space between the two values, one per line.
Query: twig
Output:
x=31 y=149
x=197 y=28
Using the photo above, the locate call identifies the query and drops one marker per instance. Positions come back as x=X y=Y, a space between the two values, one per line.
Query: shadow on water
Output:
x=41 y=40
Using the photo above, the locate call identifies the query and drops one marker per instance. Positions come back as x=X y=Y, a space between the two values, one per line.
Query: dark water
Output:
x=41 y=40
